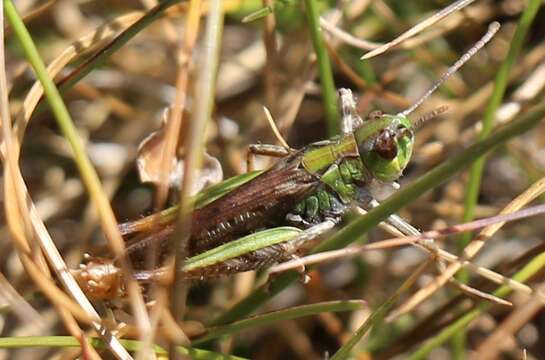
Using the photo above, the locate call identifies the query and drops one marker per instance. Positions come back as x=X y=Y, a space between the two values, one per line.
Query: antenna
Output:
x=427 y=117
x=492 y=29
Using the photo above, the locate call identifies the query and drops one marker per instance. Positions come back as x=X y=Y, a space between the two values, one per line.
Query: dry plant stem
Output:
x=347 y=38
x=519 y=317
x=477 y=100
x=431 y=247
x=174 y=124
x=102 y=34
x=17 y=303
x=34 y=265
x=46 y=242
x=379 y=313
x=195 y=146
x=15 y=194
x=269 y=39
x=146 y=349
x=31 y=15
x=447 y=26
x=71 y=285
x=376 y=90
x=471 y=250
x=327 y=83
x=275 y=130
x=65 y=277
x=484 y=272
x=407 y=240
x=419 y=27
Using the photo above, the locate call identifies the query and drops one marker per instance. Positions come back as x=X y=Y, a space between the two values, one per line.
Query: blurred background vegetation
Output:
x=118 y=83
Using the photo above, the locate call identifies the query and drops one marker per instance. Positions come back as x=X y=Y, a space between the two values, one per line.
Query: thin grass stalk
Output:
x=516 y=320
x=23 y=342
x=269 y=75
x=87 y=172
x=176 y=114
x=530 y=269
x=476 y=170
x=100 y=57
x=329 y=91
x=422 y=25
x=500 y=85
x=15 y=190
x=280 y=315
x=16 y=210
x=378 y=315
x=81 y=45
x=173 y=128
x=471 y=250
x=195 y=145
x=403 y=197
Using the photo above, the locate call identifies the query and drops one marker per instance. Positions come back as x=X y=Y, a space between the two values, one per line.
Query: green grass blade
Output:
x=280 y=315
x=476 y=171
x=329 y=91
x=19 y=342
x=86 y=170
x=68 y=129
x=530 y=269
x=402 y=198
x=378 y=315
x=496 y=99
x=264 y=11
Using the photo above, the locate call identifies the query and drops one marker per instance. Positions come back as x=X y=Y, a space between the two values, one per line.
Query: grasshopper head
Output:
x=385 y=145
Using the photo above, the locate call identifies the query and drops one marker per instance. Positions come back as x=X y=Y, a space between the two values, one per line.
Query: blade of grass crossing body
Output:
x=400 y=199
x=329 y=91
x=476 y=171
x=530 y=269
x=195 y=142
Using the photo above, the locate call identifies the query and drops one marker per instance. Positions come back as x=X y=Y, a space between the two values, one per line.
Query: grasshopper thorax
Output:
x=385 y=143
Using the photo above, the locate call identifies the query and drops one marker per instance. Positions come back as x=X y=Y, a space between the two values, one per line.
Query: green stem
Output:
x=535 y=265
x=476 y=171
x=329 y=91
x=19 y=342
x=275 y=316
x=89 y=177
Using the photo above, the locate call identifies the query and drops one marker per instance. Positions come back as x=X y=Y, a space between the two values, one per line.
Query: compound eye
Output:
x=386 y=145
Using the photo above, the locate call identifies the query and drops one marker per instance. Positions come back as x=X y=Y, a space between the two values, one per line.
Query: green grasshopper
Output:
x=261 y=218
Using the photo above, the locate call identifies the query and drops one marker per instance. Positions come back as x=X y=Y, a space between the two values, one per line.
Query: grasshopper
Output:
x=266 y=217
